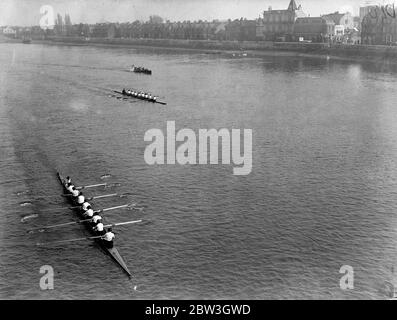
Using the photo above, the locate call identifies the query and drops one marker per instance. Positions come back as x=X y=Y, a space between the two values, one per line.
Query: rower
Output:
x=89 y=213
x=108 y=238
x=85 y=206
x=80 y=198
x=75 y=192
x=96 y=219
x=68 y=180
x=123 y=92
x=146 y=96
x=99 y=228
x=154 y=98
x=70 y=187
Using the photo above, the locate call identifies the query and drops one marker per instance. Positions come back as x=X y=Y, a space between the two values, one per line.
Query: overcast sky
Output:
x=27 y=12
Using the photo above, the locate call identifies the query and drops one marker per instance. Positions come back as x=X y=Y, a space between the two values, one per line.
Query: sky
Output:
x=27 y=12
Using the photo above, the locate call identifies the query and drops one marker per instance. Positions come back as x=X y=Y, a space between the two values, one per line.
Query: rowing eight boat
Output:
x=113 y=252
x=145 y=99
x=140 y=70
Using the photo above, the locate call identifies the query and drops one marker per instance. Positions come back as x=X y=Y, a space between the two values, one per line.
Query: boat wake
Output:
x=133 y=207
x=31 y=216
x=25 y=204
x=21 y=193
x=112 y=185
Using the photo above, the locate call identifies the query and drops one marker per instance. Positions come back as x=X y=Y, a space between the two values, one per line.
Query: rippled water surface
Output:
x=322 y=192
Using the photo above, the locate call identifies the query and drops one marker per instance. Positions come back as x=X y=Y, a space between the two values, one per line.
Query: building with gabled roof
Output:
x=275 y=24
x=343 y=22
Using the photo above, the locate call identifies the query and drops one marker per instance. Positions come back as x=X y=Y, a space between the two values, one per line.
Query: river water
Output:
x=321 y=194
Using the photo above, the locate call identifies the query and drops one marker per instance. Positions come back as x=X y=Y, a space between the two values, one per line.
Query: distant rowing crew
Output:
x=139 y=95
x=140 y=70
x=89 y=214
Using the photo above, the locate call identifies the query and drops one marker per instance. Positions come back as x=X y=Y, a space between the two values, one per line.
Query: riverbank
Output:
x=254 y=48
x=4 y=39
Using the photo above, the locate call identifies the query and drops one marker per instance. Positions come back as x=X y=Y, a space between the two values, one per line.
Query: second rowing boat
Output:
x=140 y=98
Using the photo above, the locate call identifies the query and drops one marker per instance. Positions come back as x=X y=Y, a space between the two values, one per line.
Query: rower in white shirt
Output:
x=75 y=192
x=89 y=213
x=68 y=180
x=80 y=198
x=108 y=238
x=69 y=187
x=99 y=228
x=85 y=206
x=96 y=219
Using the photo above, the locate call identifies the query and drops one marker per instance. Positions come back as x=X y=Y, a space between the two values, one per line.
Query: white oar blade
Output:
x=114 y=208
x=122 y=223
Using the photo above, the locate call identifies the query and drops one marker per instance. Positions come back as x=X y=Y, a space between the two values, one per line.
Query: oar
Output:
x=121 y=223
x=92 y=186
x=104 y=196
x=95 y=197
x=41 y=229
x=81 y=221
x=69 y=240
x=76 y=207
x=112 y=208
x=106 y=185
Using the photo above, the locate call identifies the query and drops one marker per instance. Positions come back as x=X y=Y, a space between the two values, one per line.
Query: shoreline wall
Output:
x=339 y=50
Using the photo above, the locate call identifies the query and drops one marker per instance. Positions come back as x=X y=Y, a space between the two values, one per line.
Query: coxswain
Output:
x=89 y=213
x=108 y=238
x=123 y=92
x=99 y=228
